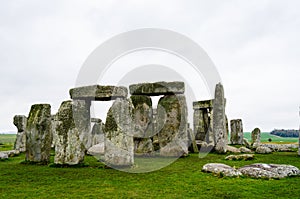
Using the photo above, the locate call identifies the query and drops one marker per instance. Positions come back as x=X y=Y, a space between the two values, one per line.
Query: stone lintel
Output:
x=157 y=88
x=96 y=120
x=98 y=93
x=203 y=104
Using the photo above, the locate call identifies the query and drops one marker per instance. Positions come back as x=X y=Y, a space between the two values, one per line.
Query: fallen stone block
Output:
x=263 y=150
x=240 y=157
x=221 y=169
x=3 y=156
x=261 y=170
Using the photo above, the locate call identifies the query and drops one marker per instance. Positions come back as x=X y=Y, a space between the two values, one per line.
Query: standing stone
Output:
x=172 y=114
x=97 y=132
x=143 y=126
x=119 y=147
x=200 y=126
x=53 y=129
x=203 y=121
x=68 y=146
x=192 y=141
x=20 y=122
x=219 y=120
x=299 y=146
x=38 y=134
x=156 y=130
x=237 y=134
x=210 y=138
x=82 y=119
x=255 y=136
x=227 y=127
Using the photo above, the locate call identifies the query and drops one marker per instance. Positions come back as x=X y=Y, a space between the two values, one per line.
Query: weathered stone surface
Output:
x=38 y=134
x=97 y=92
x=205 y=147
x=143 y=125
x=172 y=112
x=280 y=147
x=117 y=157
x=246 y=143
x=119 y=146
x=192 y=142
x=258 y=170
x=3 y=156
x=206 y=104
x=68 y=146
x=227 y=129
x=255 y=136
x=245 y=150
x=53 y=129
x=155 y=143
x=232 y=149
x=11 y=153
x=20 y=122
x=201 y=124
x=176 y=148
x=221 y=169
x=237 y=134
x=219 y=120
x=97 y=150
x=143 y=146
x=96 y=120
x=263 y=150
x=157 y=88
x=240 y=157
x=261 y=170
x=82 y=121
x=97 y=135
x=203 y=120
x=299 y=146
x=20 y=142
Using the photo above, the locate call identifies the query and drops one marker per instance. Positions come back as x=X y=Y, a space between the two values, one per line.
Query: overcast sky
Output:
x=254 y=45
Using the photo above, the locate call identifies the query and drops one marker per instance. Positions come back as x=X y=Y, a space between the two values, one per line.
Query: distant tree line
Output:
x=285 y=133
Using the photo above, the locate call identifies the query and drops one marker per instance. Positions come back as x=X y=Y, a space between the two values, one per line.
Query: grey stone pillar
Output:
x=172 y=114
x=119 y=146
x=68 y=146
x=255 y=136
x=237 y=134
x=20 y=142
x=203 y=111
x=38 y=134
x=219 y=120
x=97 y=131
x=299 y=145
x=143 y=125
x=82 y=120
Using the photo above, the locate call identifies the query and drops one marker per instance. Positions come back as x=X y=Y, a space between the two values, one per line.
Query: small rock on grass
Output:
x=3 y=156
x=263 y=150
x=221 y=169
x=245 y=150
x=240 y=157
x=258 y=170
x=261 y=170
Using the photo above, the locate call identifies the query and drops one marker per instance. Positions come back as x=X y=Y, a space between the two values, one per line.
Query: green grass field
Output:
x=181 y=179
x=7 y=141
x=275 y=139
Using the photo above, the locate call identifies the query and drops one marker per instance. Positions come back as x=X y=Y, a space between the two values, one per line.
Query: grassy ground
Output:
x=275 y=139
x=182 y=179
x=7 y=141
